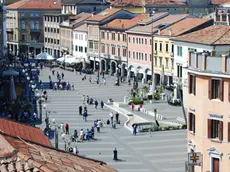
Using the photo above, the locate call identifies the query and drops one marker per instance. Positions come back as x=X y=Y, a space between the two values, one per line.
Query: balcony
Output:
x=177 y=80
x=34 y=30
x=9 y=29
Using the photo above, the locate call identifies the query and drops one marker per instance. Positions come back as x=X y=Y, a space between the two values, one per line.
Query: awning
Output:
x=149 y=72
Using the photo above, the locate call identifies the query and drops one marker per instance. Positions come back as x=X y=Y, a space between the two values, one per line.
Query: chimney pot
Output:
x=213 y=53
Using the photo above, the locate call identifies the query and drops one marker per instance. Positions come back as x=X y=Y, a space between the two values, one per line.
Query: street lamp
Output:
x=118 y=74
x=97 y=64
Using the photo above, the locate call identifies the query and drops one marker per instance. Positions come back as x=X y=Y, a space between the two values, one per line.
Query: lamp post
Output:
x=64 y=59
x=98 y=75
x=118 y=74
x=55 y=133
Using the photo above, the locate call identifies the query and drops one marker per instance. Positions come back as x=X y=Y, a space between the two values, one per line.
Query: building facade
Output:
x=25 y=25
x=80 y=42
x=114 y=48
x=66 y=31
x=3 y=44
x=87 y=6
x=208 y=119
x=221 y=16
x=52 y=33
x=199 y=41
x=94 y=34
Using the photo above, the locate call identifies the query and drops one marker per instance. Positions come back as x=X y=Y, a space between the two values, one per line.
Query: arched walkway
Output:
x=103 y=68
x=148 y=74
x=124 y=69
x=113 y=66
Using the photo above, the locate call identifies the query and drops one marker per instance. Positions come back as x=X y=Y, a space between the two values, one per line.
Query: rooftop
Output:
x=75 y=2
x=164 y=2
x=28 y=156
x=218 y=2
x=36 y=4
x=183 y=26
x=23 y=131
x=104 y=14
x=213 y=35
x=161 y=23
x=76 y=19
x=82 y=28
x=125 y=23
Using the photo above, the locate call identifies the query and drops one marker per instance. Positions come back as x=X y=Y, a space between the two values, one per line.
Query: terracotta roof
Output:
x=183 y=26
x=35 y=4
x=164 y=21
x=140 y=3
x=82 y=28
x=125 y=23
x=164 y=2
x=26 y=132
x=213 y=35
x=218 y=2
x=34 y=157
x=122 y=3
x=104 y=14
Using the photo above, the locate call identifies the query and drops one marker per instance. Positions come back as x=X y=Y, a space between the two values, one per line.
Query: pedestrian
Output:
x=85 y=109
x=111 y=117
x=104 y=81
x=85 y=77
x=75 y=135
x=95 y=104
x=62 y=75
x=80 y=110
x=66 y=128
x=87 y=135
x=72 y=86
x=81 y=135
x=103 y=74
x=102 y=104
x=92 y=132
x=98 y=126
x=49 y=77
x=129 y=81
x=83 y=98
x=117 y=118
x=87 y=99
x=85 y=116
x=53 y=71
x=150 y=132
x=62 y=128
x=115 y=154
x=132 y=105
x=134 y=129
x=90 y=79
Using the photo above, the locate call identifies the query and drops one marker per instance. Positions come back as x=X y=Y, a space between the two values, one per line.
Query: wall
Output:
x=66 y=39
x=203 y=107
x=77 y=41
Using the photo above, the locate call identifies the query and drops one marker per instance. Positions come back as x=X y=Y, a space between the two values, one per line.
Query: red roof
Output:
x=23 y=131
x=30 y=157
x=35 y=4
x=218 y=2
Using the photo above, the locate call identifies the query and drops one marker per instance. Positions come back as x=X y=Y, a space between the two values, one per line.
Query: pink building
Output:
x=113 y=46
x=208 y=109
x=140 y=44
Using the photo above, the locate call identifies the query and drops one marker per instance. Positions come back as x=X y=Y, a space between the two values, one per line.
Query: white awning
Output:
x=149 y=72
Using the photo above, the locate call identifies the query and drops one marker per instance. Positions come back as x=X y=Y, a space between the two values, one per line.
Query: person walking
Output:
x=134 y=129
x=102 y=104
x=66 y=128
x=115 y=154
x=95 y=104
x=80 y=110
x=111 y=117
x=85 y=116
x=62 y=75
x=81 y=135
x=83 y=99
x=117 y=118
x=87 y=99
x=75 y=135
x=87 y=135
x=132 y=105
x=49 y=77
x=98 y=126
x=62 y=128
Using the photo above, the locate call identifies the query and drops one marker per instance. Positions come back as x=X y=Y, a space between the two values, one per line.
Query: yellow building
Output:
x=163 y=46
x=131 y=6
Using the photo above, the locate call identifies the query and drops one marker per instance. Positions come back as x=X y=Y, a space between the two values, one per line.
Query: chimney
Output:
x=159 y=32
x=213 y=53
x=189 y=58
x=224 y=63
x=170 y=32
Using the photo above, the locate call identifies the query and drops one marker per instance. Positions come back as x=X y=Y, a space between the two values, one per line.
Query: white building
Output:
x=212 y=40
x=80 y=40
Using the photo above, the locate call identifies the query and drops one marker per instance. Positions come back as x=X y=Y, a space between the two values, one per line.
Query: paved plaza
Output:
x=162 y=151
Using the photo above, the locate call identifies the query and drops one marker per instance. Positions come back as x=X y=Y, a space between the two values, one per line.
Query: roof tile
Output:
x=213 y=35
x=35 y=4
x=218 y=2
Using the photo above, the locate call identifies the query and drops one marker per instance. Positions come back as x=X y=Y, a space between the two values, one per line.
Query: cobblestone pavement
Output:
x=158 y=152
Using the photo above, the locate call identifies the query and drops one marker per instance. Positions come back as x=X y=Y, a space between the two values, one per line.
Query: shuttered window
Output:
x=229 y=132
x=215 y=129
x=191 y=84
x=192 y=122
x=215 y=89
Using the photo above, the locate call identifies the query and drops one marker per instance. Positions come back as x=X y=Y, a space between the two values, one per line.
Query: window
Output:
x=31 y=24
x=37 y=14
x=22 y=14
x=145 y=41
x=124 y=52
x=139 y=56
x=124 y=38
x=215 y=129
x=57 y=30
x=45 y=29
x=51 y=41
x=81 y=49
x=76 y=36
x=133 y=55
x=118 y=37
x=160 y=46
x=160 y=61
x=96 y=46
x=167 y=47
x=58 y=42
x=48 y=29
x=51 y=30
x=155 y=47
x=167 y=62
x=118 y=52
x=129 y=39
x=142 y=41
x=155 y=62
x=137 y=40
x=91 y=44
x=145 y=57
x=215 y=165
x=103 y=48
x=48 y=40
x=23 y=26
x=103 y=35
x=179 y=51
x=192 y=84
x=134 y=40
x=23 y=36
x=129 y=54
x=37 y=25
x=85 y=49
x=216 y=89
x=31 y=14
x=45 y=39
x=108 y=35
x=191 y=122
x=172 y=48
x=113 y=36
x=150 y=57
x=150 y=42
x=113 y=50
x=172 y=63
x=179 y=71
x=142 y=56
x=76 y=48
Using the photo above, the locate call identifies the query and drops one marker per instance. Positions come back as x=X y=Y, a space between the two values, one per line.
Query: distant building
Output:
x=87 y=6
x=222 y=14
x=25 y=25
x=3 y=45
x=52 y=33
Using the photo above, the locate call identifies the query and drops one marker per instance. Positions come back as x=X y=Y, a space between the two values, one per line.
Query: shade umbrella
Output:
x=162 y=78
x=44 y=56
x=75 y=61
x=10 y=72
x=61 y=59
x=12 y=90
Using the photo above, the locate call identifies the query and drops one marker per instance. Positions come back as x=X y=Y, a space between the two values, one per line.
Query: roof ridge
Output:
x=221 y=36
x=26 y=1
